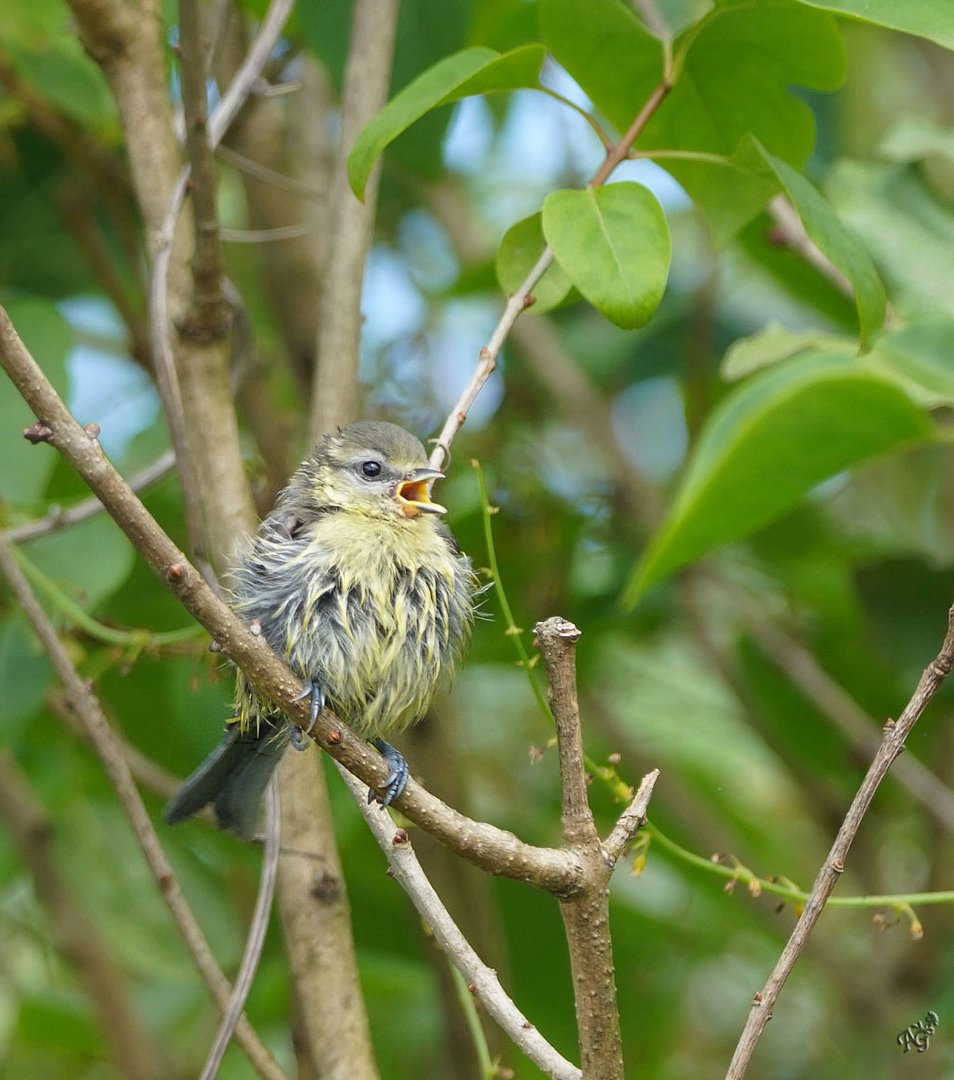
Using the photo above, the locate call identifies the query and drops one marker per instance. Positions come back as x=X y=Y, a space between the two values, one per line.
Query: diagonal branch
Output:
x=482 y=980
x=523 y=297
x=895 y=733
x=101 y=738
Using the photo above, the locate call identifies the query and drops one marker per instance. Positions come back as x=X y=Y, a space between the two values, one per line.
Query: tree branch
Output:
x=58 y=518
x=482 y=980
x=523 y=297
x=334 y=398
x=895 y=733
x=586 y=913
x=100 y=736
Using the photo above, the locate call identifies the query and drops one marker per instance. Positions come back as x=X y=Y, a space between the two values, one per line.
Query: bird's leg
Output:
x=297 y=734
x=397 y=778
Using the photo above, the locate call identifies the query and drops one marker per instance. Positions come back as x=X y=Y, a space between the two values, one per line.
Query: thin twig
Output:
x=793 y=235
x=87 y=708
x=59 y=518
x=482 y=980
x=895 y=733
x=255 y=939
x=233 y=99
x=632 y=819
x=522 y=298
x=267 y=236
x=262 y=172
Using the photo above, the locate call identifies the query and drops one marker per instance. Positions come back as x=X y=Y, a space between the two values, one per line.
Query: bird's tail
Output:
x=232 y=778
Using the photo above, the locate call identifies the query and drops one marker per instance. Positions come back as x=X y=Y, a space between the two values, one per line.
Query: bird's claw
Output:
x=397 y=778
x=296 y=736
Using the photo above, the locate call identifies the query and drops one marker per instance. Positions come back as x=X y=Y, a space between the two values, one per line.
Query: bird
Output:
x=357 y=583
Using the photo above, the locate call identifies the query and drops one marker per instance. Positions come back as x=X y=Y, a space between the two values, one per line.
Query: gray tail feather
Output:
x=233 y=779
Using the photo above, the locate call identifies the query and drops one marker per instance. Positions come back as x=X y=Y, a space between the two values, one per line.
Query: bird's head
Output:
x=374 y=469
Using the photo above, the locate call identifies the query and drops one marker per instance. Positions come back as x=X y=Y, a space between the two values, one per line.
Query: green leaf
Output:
x=520 y=248
x=66 y=77
x=45 y=333
x=931 y=19
x=768 y=444
x=87 y=561
x=605 y=47
x=471 y=71
x=842 y=248
x=773 y=344
x=734 y=76
x=613 y=244
x=905 y=227
x=919 y=357
x=915 y=138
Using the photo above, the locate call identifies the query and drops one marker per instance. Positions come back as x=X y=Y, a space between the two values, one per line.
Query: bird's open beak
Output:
x=413 y=493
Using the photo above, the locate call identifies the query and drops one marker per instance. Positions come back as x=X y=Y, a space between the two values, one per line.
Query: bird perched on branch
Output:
x=356 y=582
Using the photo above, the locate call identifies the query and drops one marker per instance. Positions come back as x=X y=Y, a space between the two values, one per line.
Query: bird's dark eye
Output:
x=371 y=469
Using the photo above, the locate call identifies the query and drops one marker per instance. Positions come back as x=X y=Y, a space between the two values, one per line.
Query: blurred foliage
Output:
x=741 y=412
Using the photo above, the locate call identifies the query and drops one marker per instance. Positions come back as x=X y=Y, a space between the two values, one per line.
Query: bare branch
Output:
x=59 y=518
x=895 y=733
x=87 y=708
x=482 y=980
x=586 y=913
x=256 y=936
x=632 y=819
x=208 y=320
x=333 y=1043
x=522 y=298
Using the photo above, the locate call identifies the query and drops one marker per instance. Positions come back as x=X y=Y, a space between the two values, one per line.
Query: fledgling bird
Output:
x=361 y=588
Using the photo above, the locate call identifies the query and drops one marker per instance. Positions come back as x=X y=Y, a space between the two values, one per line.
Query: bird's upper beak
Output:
x=413 y=493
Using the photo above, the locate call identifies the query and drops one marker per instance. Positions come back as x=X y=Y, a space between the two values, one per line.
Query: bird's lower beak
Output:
x=413 y=493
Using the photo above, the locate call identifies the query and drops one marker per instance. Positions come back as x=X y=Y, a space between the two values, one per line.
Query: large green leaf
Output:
x=613 y=244
x=769 y=443
x=520 y=248
x=471 y=71
x=841 y=246
x=27 y=468
x=734 y=77
x=931 y=19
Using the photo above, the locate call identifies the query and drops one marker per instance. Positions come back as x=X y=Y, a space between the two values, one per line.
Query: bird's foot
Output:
x=396 y=781
x=296 y=736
